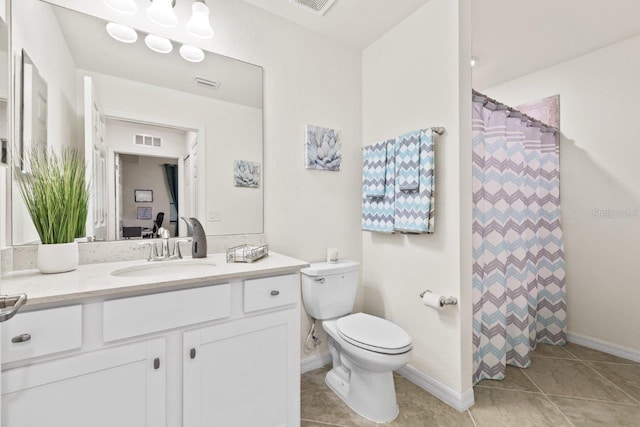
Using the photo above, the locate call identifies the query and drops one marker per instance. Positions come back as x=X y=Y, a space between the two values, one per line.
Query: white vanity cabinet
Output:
x=223 y=355
x=121 y=386
x=246 y=373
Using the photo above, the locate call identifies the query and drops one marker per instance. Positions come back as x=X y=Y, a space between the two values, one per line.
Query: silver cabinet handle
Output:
x=192 y=353
x=10 y=305
x=320 y=280
x=21 y=338
x=156 y=363
x=275 y=293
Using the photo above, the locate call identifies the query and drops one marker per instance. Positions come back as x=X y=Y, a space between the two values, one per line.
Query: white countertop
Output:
x=95 y=281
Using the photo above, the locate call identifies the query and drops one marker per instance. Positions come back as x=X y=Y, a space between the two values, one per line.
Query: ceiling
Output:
x=356 y=23
x=513 y=38
x=94 y=50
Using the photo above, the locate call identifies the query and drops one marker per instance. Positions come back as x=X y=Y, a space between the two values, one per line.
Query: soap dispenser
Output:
x=199 y=243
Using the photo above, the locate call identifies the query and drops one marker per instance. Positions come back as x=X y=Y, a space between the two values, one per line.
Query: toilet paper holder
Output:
x=444 y=300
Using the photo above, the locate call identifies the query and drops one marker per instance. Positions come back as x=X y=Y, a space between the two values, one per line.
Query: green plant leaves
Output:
x=56 y=194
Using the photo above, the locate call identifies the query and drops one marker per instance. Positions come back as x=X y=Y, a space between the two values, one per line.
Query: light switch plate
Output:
x=215 y=215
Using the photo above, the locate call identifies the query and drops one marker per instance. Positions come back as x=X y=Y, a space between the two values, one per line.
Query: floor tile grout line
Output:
x=568 y=356
x=509 y=389
x=550 y=357
x=473 y=420
x=587 y=399
x=549 y=399
x=322 y=422
x=556 y=395
x=609 y=381
x=630 y=362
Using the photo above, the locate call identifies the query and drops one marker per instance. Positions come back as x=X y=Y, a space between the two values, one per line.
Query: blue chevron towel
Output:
x=408 y=161
x=414 y=210
x=378 y=212
x=374 y=162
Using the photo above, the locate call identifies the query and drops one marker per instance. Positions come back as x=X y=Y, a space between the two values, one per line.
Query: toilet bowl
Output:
x=362 y=372
x=365 y=349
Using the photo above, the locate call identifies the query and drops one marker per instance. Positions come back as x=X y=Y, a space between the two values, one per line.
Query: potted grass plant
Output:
x=55 y=193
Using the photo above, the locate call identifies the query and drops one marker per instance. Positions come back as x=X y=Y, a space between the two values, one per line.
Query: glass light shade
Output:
x=191 y=53
x=122 y=33
x=199 y=24
x=160 y=12
x=128 y=7
x=158 y=44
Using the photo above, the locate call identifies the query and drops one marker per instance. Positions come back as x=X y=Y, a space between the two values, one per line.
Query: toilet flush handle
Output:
x=320 y=280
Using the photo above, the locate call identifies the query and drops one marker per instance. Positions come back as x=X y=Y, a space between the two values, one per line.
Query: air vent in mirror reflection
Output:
x=210 y=84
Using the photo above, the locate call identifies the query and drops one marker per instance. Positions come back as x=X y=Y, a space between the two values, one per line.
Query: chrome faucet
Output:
x=164 y=235
x=164 y=254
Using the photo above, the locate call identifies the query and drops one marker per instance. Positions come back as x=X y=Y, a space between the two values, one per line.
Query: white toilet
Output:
x=365 y=349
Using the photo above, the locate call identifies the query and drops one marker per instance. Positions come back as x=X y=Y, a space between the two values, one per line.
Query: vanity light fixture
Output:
x=128 y=7
x=122 y=33
x=158 y=44
x=191 y=53
x=161 y=12
x=199 y=25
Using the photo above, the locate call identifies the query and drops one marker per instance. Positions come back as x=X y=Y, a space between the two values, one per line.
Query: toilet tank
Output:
x=329 y=289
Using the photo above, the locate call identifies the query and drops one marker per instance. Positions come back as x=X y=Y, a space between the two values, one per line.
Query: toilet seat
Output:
x=373 y=334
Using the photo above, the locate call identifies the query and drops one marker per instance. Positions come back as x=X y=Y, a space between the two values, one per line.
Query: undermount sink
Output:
x=167 y=269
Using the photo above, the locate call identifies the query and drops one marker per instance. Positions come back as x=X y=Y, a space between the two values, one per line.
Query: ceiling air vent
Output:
x=318 y=7
x=147 y=140
x=209 y=84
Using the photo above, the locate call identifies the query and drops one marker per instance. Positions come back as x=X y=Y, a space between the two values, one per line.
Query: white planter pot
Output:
x=58 y=258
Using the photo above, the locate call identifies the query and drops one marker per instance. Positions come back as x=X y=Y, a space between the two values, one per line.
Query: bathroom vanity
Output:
x=214 y=346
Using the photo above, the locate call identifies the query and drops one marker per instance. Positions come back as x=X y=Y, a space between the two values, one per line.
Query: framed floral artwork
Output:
x=246 y=174
x=322 y=148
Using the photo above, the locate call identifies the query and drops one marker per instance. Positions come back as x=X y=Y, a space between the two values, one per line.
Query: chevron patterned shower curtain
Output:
x=518 y=269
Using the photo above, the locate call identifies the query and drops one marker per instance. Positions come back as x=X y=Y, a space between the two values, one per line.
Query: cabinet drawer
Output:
x=42 y=332
x=130 y=317
x=260 y=294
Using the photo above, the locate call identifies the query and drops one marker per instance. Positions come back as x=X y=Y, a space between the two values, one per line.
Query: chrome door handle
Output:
x=9 y=305
x=320 y=280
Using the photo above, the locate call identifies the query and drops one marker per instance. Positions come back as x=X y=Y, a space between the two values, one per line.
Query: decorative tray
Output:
x=246 y=253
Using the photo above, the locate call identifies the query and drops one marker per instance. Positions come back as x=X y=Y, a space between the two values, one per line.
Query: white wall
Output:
x=232 y=132
x=308 y=79
x=33 y=22
x=415 y=76
x=599 y=154
x=119 y=136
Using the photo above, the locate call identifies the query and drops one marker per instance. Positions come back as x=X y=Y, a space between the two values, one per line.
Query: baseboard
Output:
x=460 y=401
x=604 y=346
x=315 y=362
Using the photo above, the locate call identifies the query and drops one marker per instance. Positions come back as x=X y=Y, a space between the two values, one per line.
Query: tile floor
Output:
x=565 y=386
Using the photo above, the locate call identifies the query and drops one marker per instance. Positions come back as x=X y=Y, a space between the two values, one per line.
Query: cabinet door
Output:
x=121 y=386
x=244 y=373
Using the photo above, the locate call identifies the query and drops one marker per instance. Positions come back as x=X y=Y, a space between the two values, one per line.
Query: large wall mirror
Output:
x=160 y=135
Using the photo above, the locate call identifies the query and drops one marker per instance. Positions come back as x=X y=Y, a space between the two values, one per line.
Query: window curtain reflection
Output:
x=171 y=173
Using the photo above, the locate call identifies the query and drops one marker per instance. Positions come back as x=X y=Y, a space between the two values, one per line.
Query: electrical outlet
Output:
x=215 y=216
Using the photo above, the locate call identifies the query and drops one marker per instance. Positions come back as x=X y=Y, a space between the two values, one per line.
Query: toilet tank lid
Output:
x=329 y=268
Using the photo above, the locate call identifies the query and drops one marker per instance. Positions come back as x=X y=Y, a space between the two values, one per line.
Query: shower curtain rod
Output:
x=513 y=110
